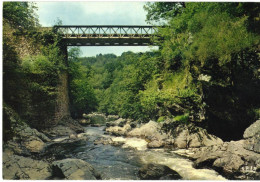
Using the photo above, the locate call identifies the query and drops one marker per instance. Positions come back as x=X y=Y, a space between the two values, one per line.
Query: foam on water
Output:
x=123 y=163
x=136 y=143
x=183 y=166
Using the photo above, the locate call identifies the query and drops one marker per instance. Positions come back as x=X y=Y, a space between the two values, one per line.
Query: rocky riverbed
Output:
x=142 y=151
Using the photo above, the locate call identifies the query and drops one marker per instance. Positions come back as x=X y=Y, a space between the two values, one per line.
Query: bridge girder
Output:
x=102 y=35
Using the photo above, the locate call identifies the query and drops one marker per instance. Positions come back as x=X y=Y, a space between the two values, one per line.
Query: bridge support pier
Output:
x=62 y=100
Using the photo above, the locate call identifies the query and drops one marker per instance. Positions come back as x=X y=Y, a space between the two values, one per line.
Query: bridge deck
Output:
x=102 y=35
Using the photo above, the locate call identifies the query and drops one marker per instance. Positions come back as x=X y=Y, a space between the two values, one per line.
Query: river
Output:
x=123 y=162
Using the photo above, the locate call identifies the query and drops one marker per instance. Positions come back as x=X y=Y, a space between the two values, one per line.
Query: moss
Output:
x=161 y=119
x=182 y=118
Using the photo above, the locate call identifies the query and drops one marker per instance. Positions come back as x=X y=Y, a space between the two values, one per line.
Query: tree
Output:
x=82 y=96
x=218 y=40
x=161 y=11
x=20 y=14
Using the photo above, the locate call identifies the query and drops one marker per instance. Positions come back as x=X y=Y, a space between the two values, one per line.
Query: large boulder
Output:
x=157 y=172
x=18 y=167
x=235 y=159
x=119 y=131
x=191 y=136
x=252 y=144
x=252 y=136
x=231 y=158
x=26 y=141
x=253 y=130
x=24 y=131
x=74 y=169
x=155 y=144
x=151 y=131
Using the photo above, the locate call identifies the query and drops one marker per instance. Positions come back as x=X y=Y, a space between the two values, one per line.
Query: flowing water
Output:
x=123 y=162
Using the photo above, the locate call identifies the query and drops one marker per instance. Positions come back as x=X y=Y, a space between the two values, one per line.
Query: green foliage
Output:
x=82 y=96
x=182 y=118
x=157 y=11
x=161 y=119
x=167 y=91
x=31 y=70
x=20 y=14
x=118 y=80
x=41 y=73
x=218 y=40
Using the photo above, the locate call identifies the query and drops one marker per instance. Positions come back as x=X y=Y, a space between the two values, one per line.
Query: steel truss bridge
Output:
x=101 y=35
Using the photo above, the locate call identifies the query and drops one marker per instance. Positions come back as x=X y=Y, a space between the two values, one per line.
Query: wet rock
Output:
x=74 y=169
x=84 y=122
x=95 y=125
x=72 y=124
x=18 y=167
x=82 y=136
x=104 y=141
x=108 y=141
x=60 y=149
x=58 y=131
x=158 y=172
x=155 y=144
x=119 y=131
x=72 y=136
x=65 y=127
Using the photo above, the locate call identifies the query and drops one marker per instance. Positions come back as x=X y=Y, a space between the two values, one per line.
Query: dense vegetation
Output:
x=32 y=62
x=206 y=70
x=220 y=42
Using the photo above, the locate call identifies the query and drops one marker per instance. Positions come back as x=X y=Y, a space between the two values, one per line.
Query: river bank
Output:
x=71 y=151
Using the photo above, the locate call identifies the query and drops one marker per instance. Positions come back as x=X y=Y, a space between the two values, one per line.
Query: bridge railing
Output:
x=102 y=31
